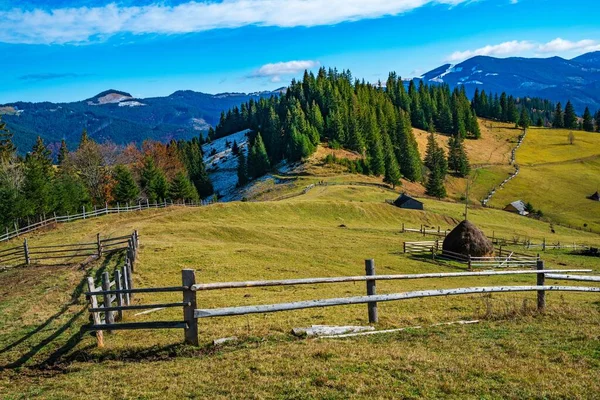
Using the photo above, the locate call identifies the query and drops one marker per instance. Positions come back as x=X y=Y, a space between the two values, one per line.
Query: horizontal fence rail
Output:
x=232 y=311
x=18 y=231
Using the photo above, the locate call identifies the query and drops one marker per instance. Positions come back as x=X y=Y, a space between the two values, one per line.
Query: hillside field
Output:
x=512 y=352
x=556 y=177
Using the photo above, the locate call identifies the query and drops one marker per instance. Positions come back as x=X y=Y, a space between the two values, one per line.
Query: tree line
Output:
x=95 y=174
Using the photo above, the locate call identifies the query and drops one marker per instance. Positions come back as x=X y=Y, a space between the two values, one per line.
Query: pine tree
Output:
x=258 y=160
x=84 y=138
x=242 y=169
x=570 y=118
x=235 y=149
x=7 y=148
x=588 y=123
x=63 y=152
x=125 y=189
x=457 y=157
x=524 y=120
x=435 y=160
x=182 y=189
x=540 y=122
x=597 y=118
x=559 y=119
x=153 y=181
x=70 y=194
x=37 y=188
x=392 y=170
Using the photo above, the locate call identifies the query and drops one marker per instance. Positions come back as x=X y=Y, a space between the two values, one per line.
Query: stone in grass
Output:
x=321 y=330
x=221 y=341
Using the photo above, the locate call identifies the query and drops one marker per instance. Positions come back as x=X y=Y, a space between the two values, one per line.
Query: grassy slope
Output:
x=556 y=177
x=300 y=237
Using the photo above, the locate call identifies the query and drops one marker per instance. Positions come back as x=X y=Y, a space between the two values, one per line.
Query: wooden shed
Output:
x=405 y=201
x=517 y=207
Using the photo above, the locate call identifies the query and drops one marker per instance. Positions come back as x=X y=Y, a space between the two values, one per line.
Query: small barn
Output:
x=517 y=207
x=405 y=201
x=595 y=196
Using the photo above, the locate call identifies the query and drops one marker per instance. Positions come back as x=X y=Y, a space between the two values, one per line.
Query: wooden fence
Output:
x=500 y=241
x=96 y=212
x=27 y=254
x=502 y=258
x=190 y=289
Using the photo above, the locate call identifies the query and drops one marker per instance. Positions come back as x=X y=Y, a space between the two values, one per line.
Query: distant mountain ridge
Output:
x=120 y=117
x=553 y=78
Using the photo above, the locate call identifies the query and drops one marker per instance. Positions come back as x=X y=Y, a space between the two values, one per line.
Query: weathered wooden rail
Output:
x=502 y=258
x=27 y=254
x=96 y=212
x=190 y=290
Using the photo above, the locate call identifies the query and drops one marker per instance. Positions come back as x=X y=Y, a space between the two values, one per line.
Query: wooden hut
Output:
x=405 y=201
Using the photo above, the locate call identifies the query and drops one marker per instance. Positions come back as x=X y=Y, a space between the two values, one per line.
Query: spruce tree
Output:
x=70 y=194
x=258 y=160
x=540 y=122
x=570 y=118
x=392 y=170
x=457 y=157
x=524 y=120
x=588 y=123
x=559 y=120
x=182 y=189
x=63 y=152
x=597 y=118
x=37 y=187
x=125 y=189
x=84 y=138
x=435 y=160
x=7 y=148
x=242 y=169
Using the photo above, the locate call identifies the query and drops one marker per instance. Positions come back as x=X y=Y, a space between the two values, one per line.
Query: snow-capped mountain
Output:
x=553 y=78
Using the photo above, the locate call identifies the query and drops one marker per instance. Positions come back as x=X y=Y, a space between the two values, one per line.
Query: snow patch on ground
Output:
x=131 y=104
x=200 y=124
x=110 y=98
x=222 y=164
x=491 y=74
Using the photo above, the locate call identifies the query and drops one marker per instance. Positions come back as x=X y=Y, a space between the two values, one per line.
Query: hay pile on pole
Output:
x=467 y=239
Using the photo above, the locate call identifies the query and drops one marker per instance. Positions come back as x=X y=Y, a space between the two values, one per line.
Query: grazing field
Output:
x=512 y=352
x=557 y=177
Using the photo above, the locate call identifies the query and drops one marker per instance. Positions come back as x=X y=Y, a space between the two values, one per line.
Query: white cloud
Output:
x=276 y=70
x=506 y=48
x=80 y=25
x=560 y=45
x=516 y=47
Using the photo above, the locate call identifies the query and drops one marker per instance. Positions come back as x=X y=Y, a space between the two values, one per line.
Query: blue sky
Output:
x=65 y=50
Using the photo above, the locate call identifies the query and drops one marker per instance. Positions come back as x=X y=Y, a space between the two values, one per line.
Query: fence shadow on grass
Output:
x=72 y=342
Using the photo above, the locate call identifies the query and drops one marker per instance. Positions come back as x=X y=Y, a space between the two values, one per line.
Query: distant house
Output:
x=517 y=207
x=408 y=202
x=595 y=196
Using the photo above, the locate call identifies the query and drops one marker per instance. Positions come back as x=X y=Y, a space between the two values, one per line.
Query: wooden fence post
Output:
x=99 y=245
x=404 y=244
x=137 y=239
x=26 y=252
x=129 y=279
x=16 y=228
x=125 y=284
x=469 y=262
x=118 y=208
x=83 y=212
x=106 y=208
x=188 y=279
x=371 y=291
x=119 y=286
x=541 y=294
x=96 y=315
x=109 y=316
x=544 y=245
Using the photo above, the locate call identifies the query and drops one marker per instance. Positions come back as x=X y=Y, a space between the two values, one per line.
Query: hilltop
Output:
x=552 y=78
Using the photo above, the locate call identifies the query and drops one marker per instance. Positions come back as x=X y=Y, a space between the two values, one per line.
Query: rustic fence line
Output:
x=27 y=254
x=502 y=258
x=190 y=289
x=122 y=283
x=96 y=212
x=528 y=244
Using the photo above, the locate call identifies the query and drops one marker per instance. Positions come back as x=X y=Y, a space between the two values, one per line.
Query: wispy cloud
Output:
x=49 y=76
x=506 y=48
x=516 y=47
x=83 y=24
x=559 y=45
x=276 y=70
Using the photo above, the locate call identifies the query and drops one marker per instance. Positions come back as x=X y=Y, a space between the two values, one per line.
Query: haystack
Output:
x=467 y=239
